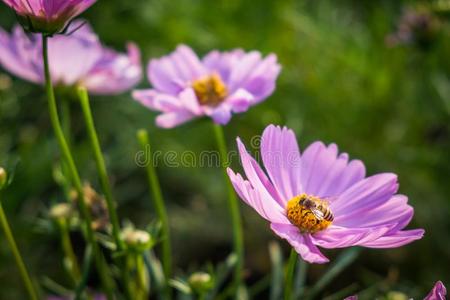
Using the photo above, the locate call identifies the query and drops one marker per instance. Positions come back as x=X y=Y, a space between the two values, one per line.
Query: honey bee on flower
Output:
x=321 y=198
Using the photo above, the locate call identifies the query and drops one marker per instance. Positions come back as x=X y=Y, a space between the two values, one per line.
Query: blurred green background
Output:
x=347 y=78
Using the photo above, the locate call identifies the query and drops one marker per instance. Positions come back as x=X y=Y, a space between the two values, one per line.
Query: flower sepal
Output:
x=40 y=25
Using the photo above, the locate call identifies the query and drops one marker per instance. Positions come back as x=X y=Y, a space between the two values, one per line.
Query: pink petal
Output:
x=240 y=101
x=145 y=97
x=222 y=62
x=187 y=63
x=72 y=57
x=365 y=195
x=156 y=101
x=261 y=82
x=173 y=119
x=164 y=77
x=221 y=114
x=351 y=174
x=327 y=174
x=341 y=237
x=281 y=158
x=395 y=211
x=115 y=73
x=397 y=239
x=189 y=100
x=243 y=70
x=340 y=175
x=302 y=243
x=257 y=177
x=265 y=206
x=317 y=161
x=438 y=292
x=18 y=56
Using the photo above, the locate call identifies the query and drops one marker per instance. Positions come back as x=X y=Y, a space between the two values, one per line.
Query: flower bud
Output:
x=396 y=296
x=3 y=177
x=61 y=211
x=201 y=282
x=136 y=239
x=46 y=16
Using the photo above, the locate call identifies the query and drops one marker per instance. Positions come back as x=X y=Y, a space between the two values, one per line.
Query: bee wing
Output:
x=318 y=214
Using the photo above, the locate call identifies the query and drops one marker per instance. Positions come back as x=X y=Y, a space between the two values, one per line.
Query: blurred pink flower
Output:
x=438 y=292
x=222 y=83
x=48 y=16
x=76 y=59
x=320 y=198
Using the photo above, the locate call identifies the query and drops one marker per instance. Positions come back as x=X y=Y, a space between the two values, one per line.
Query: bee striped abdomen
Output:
x=328 y=215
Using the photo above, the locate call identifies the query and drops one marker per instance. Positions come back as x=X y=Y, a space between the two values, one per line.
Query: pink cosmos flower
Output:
x=222 y=83
x=438 y=292
x=320 y=198
x=76 y=59
x=48 y=16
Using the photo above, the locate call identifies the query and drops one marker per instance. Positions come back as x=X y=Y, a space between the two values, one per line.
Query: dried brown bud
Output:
x=97 y=206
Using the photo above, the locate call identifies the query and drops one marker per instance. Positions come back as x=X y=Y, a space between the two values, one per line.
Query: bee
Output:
x=318 y=207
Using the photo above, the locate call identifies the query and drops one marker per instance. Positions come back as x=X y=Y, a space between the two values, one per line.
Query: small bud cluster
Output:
x=201 y=282
x=137 y=239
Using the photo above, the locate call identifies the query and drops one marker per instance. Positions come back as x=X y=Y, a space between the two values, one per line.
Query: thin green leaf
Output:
x=343 y=261
x=181 y=286
x=242 y=293
x=221 y=274
x=55 y=287
x=155 y=270
x=276 y=258
x=300 y=278
x=86 y=269
x=260 y=286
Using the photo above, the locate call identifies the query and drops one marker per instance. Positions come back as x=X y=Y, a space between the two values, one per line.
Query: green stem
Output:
x=300 y=279
x=53 y=111
x=158 y=202
x=66 y=244
x=101 y=166
x=290 y=275
x=103 y=176
x=233 y=207
x=65 y=124
x=15 y=250
x=141 y=275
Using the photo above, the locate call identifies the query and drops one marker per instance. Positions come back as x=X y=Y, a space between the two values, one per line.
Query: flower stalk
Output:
x=101 y=166
x=290 y=270
x=233 y=205
x=67 y=247
x=158 y=203
x=54 y=117
x=16 y=253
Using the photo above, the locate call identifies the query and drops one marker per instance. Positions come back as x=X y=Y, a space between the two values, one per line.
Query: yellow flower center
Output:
x=210 y=90
x=309 y=213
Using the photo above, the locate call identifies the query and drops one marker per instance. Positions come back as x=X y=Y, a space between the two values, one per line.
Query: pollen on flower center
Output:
x=210 y=90
x=309 y=213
